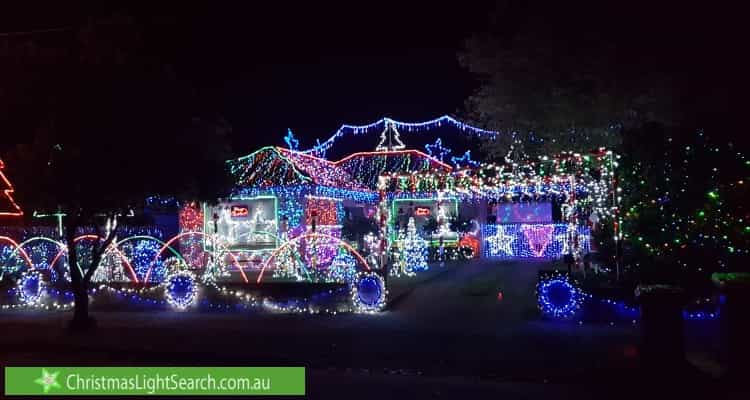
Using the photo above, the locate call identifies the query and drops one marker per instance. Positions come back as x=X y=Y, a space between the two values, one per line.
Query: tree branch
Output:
x=98 y=252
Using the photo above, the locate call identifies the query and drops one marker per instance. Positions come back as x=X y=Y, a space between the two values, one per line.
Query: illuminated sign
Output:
x=422 y=211
x=240 y=211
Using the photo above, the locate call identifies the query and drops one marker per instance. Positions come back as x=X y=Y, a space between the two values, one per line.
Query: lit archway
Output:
x=113 y=248
x=179 y=236
x=18 y=248
x=314 y=236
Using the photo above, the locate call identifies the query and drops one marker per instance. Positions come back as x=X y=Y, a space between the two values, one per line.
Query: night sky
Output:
x=267 y=67
x=311 y=68
x=316 y=69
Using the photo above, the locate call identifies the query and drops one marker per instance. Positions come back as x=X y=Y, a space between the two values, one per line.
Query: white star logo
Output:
x=47 y=380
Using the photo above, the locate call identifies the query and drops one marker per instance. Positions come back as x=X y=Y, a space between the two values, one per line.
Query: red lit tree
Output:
x=8 y=206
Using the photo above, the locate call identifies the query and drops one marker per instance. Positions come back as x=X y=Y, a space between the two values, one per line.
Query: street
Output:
x=444 y=333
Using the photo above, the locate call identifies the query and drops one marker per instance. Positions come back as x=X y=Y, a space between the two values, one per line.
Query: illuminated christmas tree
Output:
x=414 y=252
x=390 y=138
x=8 y=206
x=684 y=204
x=343 y=267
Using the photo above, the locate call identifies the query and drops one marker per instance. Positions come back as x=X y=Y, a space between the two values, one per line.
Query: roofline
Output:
x=249 y=155
x=299 y=153
x=275 y=149
x=391 y=152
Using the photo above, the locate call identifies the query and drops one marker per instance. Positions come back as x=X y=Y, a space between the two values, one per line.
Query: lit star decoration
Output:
x=555 y=297
x=291 y=142
x=48 y=380
x=522 y=248
x=558 y=296
x=437 y=150
x=369 y=293
x=538 y=237
x=584 y=184
x=501 y=242
x=464 y=161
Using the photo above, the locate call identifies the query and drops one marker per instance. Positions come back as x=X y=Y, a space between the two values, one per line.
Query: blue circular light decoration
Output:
x=30 y=287
x=558 y=297
x=368 y=292
x=181 y=290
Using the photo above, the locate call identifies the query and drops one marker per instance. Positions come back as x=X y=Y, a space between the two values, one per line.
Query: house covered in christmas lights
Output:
x=540 y=209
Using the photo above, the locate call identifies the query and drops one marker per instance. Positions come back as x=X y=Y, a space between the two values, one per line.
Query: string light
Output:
x=692 y=210
x=180 y=290
x=464 y=161
x=413 y=250
x=14 y=209
x=291 y=142
x=389 y=135
x=369 y=293
x=367 y=167
x=436 y=150
x=558 y=296
x=343 y=268
x=532 y=241
x=30 y=288
x=321 y=148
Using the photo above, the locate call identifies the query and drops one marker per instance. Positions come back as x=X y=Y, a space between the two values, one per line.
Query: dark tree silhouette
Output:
x=105 y=123
x=576 y=77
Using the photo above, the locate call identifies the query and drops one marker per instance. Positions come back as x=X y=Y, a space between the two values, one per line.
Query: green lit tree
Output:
x=684 y=203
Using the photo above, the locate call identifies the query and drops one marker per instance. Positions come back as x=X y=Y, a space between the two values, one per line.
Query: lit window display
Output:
x=432 y=217
x=247 y=224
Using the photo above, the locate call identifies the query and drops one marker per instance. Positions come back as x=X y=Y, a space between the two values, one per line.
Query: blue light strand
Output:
x=502 y=193
x=307 y=190
x=559 y=297
x=464 y=161
x=565 y=310
x=437 y=150
x=321 y=148
x=291 y=141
